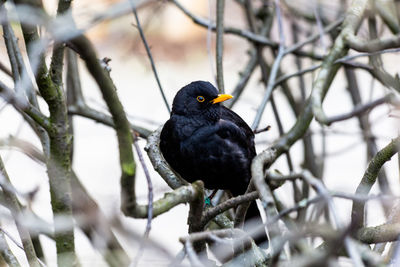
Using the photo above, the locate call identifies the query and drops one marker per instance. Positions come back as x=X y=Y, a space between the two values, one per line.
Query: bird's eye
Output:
x=200 y=98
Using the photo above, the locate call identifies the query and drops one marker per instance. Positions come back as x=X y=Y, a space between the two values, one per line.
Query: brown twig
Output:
x=369 y=178
x=274 y=70
x=360 y=109
x=226 y=205
x=220 y=45
x=150 y=56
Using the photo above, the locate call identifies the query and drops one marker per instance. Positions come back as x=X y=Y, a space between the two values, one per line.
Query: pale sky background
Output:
x=181 y=56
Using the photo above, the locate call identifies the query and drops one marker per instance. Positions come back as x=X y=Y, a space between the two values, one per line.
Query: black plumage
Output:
x=206 y=141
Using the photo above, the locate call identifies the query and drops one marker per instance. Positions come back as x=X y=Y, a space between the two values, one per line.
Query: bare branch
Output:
x=22 y=105
x=98 y=116
x=220 y=45
x=369 y=179
x=149 y=200
x=274 y=70
x=6 y=252
x=353 y=18
x=379 y=234
x=257 y=39
x=360 y=109
x=15 y=209
x=373 y=45
x=153 y=66
x=226 y=205
x=127 y=162
x=181 y=195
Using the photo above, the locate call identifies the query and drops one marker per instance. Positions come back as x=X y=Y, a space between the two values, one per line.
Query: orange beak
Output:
x=221 y=98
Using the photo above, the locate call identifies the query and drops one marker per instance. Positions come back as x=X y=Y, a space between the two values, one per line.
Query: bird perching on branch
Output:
x=203 y=140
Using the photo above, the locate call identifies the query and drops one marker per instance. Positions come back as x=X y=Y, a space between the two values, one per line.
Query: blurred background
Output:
x=185 y=52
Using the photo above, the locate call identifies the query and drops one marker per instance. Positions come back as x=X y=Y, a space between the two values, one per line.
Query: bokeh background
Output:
x=184 y=52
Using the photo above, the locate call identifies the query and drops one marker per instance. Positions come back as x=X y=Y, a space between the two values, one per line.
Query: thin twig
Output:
x=6 y=252
x=360 y=109
x=313 y=37
x=98 y=116
x=220 y=45
x=12 y=238
x=316 y=10
x=244 y=78
x=153 y=66
x=255 y=38
x=21 y=104
x=149 y=200
x=375 y=45
x=224 y=206
x=274 y=69
x=208 y=43
x=8 y=39
x=13 y=205
x=367 y=54
x=190 y=252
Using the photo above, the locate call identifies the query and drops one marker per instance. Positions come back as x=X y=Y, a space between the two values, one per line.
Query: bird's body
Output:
x=204 y=140
x=212 y=144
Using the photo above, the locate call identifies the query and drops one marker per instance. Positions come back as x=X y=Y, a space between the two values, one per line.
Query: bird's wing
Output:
x=219 y=155
x=232 y=116
x=246 y=133
x=170 y=140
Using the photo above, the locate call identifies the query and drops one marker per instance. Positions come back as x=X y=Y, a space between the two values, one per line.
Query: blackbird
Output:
x=204 y=140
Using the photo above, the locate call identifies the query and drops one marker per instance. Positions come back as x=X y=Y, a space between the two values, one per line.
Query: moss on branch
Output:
x=181 y=195
x=369 y=179
x=379 y=234
x=121 y=123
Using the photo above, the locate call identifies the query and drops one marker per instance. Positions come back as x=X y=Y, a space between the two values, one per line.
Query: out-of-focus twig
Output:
x=20 y=103
x=274 y=70
x=98 y=116
x=15 y=209
x=5 y=69
x=360 y=109
x=8 y=38
x=107 y=87
x=192 y=255
x=114 y=255
x=6 y=252
x=387 y=11
x=149 y=200
x=57 y=59
x=352 y=20
x=379 y=234
x=244 y=78
x=373 y=45
x=254 y=38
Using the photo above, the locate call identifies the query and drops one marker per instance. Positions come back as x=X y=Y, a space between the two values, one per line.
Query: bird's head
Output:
x=196 y=98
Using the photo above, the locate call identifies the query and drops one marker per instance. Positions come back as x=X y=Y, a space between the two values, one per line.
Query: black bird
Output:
x=206 y=141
